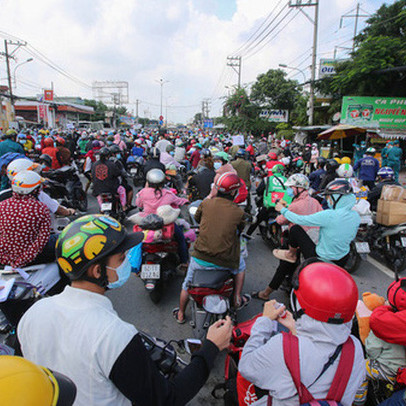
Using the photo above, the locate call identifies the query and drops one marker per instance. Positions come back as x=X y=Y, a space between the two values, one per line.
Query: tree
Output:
x=99 y=109
x=272 y=89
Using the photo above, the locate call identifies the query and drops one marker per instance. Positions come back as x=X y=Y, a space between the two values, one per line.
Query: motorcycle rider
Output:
x=321 y=321
x=203 y=178
x=79 y=334
x=221 y=165
x=331 y=173
x=10 y=144
x=64 y=155
x=217 y=245
x=385 y=176
x=368 y=168
x=52 y=151
x=24 y=383
x=244 y=168
x=105 y=177
x=153 y=161
x=316 y=176
x=25 y=224
x=272 y=161
x=302 y=204
x=338 y=227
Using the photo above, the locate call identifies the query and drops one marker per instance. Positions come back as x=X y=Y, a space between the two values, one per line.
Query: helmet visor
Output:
x=64 y=388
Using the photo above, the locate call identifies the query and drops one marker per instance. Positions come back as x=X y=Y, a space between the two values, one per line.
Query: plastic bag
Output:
x=135 y=258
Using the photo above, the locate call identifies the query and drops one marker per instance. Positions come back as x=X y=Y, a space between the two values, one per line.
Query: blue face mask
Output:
x=217 y=165
x=123 y=273
x=118 y=156
x=290 y=192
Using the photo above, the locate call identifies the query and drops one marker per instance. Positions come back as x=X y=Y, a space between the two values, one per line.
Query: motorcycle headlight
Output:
x=216 y=304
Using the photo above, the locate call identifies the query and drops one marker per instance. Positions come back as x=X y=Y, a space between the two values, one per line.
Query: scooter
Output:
x=135 y=168
x=111 y=206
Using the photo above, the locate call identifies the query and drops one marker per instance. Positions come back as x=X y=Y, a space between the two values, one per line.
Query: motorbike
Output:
x=135 y=168
x=111 y=206
x=64 y=185
x=211 y=292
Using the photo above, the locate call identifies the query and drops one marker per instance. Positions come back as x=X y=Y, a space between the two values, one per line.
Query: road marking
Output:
x=381 y=267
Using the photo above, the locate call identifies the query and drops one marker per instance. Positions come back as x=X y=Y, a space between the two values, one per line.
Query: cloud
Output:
x=183 y=41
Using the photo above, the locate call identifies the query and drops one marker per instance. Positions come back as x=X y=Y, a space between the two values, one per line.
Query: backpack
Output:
x=341 y=378
x=275 y=190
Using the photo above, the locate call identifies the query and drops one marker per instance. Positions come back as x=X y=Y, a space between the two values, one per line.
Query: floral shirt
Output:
x=25 y=227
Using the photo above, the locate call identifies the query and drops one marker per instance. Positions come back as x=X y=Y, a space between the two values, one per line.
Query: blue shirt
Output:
x=368 y=168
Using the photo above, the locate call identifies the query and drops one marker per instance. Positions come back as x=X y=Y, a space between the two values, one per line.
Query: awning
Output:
x=341 y=131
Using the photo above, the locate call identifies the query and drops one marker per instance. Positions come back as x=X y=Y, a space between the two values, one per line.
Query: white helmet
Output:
x=298 y=180
x=285 y=160
x=21 y=164
x=25 y=182
x=345 y=171
x=155 y=177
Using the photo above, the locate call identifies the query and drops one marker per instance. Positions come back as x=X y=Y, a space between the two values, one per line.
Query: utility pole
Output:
x=162 y=82
x=205 y=110
x=357 y=15
x=235 y=62
x=310 y=3
x=137 y=102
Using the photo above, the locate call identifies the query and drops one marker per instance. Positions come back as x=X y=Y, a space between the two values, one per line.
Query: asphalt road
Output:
x=134 y=305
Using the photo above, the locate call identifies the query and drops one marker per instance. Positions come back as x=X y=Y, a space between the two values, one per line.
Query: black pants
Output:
x=263 y=215
x=369 y=183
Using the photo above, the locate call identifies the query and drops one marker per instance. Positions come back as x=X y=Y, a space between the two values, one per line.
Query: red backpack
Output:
x=341 y=378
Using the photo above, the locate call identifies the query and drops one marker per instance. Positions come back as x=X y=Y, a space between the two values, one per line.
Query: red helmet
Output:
x=228 y=182
x=49 y=142
x=272 y=156
x=397 y=294
x=325 y=293
x=60 y=140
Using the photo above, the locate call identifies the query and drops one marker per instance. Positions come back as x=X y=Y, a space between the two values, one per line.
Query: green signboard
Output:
x=374 y=112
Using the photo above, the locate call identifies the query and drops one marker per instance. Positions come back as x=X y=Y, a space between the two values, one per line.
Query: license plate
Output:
x=150 y=271
x=106 y=206
x=362 y=247
x=403 y=241
x=133 y=171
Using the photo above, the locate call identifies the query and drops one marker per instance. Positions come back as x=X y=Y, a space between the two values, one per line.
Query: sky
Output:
x=184 y=42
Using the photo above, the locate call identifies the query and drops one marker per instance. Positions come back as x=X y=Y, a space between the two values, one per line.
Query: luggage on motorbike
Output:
x=394 y=193
x=275 y=190
x=390 y=213
x=154 y=235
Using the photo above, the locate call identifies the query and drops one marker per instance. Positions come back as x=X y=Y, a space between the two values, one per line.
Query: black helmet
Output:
x=104 y=152
x=321 y=160
x=331 y=165
x=205 y=153
x=155 y=153
x=47 y=159
x=115 y=149
x=339 y=187
x=87 y=240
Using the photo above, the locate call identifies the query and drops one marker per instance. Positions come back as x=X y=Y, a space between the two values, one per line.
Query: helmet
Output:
x=88 y=239
x=331 y=165
x=325 y=292
x=240 y=153
x=321 y=160
x=285 y=160
x=397 y=294
x=155 y=177
x=47 y=159
x=385 y=173
x=60 y=140
x=155 y=153
x=272 y=156
x=21 y=164
x=198 y=145
x=314 y=144
x=339 y=187
x=298 y=180
x=299 y=163
x=370 y=151
x=25 y=182
x=22 y=383
x=228 y=182
x=205 y=153
x=104 y=152
x=346 y=160
x=337 y=159
x=278 y=168
x=48 y=142
x=95 y=144
x=345 y=171
x=222 y=156
x=115 y=149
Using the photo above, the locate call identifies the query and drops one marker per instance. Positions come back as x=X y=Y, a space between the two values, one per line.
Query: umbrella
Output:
x=341 y=131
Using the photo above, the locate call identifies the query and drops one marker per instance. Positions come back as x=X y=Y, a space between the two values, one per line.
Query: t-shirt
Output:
x=79 y=334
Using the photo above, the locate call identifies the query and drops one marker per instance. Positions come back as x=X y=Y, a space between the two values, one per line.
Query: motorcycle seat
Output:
x=207 y=278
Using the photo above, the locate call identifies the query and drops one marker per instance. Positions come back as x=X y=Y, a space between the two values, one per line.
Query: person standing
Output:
x=368 y=168
x=395 y=158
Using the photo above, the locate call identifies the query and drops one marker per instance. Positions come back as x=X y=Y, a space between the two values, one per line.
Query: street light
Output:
x=22 y=63
x=162 y=82
x=282 y=65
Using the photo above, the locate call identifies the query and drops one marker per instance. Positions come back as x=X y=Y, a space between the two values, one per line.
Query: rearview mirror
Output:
x=192 y=345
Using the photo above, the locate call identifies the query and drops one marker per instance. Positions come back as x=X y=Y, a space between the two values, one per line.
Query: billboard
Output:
x=374 y=112
x=275 y=116
x=327 y=67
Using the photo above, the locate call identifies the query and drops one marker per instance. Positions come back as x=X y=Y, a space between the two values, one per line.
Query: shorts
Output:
x=193 y=266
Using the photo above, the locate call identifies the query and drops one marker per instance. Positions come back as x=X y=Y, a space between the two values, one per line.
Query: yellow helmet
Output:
x=338 y=160
x=25 y=384
x=346 y=160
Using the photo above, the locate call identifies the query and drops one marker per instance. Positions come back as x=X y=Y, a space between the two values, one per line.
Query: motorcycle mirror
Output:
x=192 y=345
x=215 y=304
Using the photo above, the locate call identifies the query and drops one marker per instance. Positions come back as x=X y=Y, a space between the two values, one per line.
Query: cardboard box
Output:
x=390 y=213
x=393 y=193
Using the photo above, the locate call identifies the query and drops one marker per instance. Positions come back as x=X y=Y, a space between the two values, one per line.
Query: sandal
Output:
x=175 y=313
x=255 y=295
x=282 y=255
x=245 y=299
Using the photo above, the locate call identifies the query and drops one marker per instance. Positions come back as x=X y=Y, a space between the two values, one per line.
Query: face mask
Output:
x=123 y=273
x=22 y=141
x=109 y=142
x=172 y=153
x=290 y=192
x=217 y=165
x=118 y=156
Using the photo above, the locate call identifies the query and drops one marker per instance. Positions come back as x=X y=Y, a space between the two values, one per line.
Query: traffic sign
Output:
x=160 y=122
x=161 y=118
